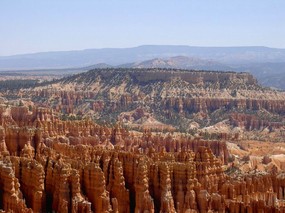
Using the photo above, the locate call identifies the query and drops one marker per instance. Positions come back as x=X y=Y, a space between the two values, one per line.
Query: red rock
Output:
x=77 y=166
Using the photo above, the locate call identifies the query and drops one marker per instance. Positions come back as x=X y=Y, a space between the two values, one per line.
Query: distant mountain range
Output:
x=267 y=64
x=179 y=62
x=117 y=56
x=268 y=74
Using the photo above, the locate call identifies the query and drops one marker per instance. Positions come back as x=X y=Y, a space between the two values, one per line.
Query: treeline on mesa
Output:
x=17 y=84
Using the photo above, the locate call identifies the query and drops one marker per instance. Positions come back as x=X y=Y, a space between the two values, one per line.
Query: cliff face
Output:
x=11 y=195
x=253 y=122
x=179 y=104
x=65 y=164
x=174 y=98
x=78 y=166
x=208 y=105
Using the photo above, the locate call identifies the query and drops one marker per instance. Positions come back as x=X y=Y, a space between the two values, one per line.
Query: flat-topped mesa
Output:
x=195 y=77
x=164 y=95
x=151 y=75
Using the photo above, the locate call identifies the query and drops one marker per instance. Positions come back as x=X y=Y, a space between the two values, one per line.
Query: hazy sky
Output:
x=45 y=25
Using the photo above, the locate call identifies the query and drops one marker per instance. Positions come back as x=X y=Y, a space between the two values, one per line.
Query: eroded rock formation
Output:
x=169 y=95
x=252 y=122
x=47 y=164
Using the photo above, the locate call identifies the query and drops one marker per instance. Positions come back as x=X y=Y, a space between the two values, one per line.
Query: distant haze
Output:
x=267 y=64
x=117 y=56
x=40 y=26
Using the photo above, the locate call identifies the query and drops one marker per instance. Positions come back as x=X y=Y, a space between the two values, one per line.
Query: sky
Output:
x=28 y=26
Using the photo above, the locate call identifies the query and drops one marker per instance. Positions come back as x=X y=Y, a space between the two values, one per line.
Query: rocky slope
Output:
x=166 y=99
x=47 y=164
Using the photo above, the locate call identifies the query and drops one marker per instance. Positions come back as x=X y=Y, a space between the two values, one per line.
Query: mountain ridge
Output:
x=140 y=46
x=179 y=62
x=116 y=56
x=172 y=98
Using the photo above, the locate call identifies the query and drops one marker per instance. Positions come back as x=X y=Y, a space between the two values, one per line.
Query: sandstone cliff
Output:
x=169 y=99
x=78 y=166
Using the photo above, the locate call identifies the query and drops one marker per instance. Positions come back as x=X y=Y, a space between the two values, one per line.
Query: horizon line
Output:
x=143 y=45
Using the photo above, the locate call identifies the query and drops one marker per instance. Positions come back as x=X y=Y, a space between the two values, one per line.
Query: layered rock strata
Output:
x=78 y=166
x=167 y=94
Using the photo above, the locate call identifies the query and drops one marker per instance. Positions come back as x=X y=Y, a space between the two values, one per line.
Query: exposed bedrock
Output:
x=78 y=166
x=252 y=122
